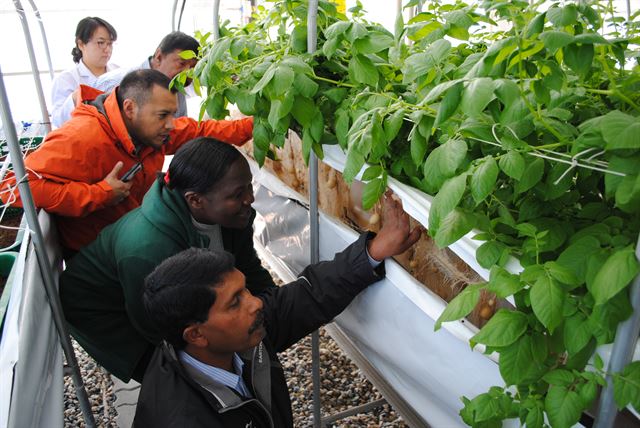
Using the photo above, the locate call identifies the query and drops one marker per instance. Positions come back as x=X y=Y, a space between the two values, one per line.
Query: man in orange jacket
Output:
x=78 y=172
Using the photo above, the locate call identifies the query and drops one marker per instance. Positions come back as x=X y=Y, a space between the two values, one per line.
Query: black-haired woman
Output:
x=92 y=52
x=204 y=201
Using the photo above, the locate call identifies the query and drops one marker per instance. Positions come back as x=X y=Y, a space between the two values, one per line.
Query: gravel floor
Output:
x=343 y=387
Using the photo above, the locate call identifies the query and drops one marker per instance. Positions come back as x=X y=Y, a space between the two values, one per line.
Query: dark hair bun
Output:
x=76 y=54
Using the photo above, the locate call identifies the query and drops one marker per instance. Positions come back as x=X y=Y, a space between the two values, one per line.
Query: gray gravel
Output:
x=343 y=387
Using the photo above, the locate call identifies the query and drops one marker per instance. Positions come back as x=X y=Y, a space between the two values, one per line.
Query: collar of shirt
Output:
x=231 y=380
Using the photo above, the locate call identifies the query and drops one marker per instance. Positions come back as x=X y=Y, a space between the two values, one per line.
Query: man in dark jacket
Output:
x=218 y=365
x=205 y=204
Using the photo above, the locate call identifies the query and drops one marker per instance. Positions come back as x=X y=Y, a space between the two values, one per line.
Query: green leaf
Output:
x=503 y=283
x=503 y=329
x=554 y=40
x=517 y=362
x=576 y=255
x=626 y=386
x=559 y=377
x=419 y=64
x=446 y=200
x=373 y=43
x=449 y=104
x=461 y=305
x=578 y=58
x=477 y=95
x=512 y=164
x=372 y=191
x=418 y=148
x=330 y=47
x=336 y=94
x=453 y=227
x=451 y=155
x=561 y=273
x=577 y=333
x=187 y=54
x=593 y=38
x=483 y=180
x=563 y=407
x=547 y=300
x=628 y=194
x=305 y=86
x=561 y=17
x=535 y=26
x=362 y=70
x=264 y=81
x=303 y=111
x=616 y=273
x=489 y=253
x=374 y=171
x=337 y=29
x=392 y=125
x=531 y=176
x=620 y=130
x=507 y=91
x=283 y=79
x=353 y=164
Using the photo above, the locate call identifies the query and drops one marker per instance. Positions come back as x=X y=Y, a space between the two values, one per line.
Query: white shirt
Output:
x=110 y=80
x=63 y=86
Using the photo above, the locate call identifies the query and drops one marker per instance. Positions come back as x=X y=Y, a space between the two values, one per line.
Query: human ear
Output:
x=129 y=108
x=194 y=200
x=192 y=336
x=157 y=56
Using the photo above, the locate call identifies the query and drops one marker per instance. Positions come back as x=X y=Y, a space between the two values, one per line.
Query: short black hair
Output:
x=138 y=84
x=180 y=41
x=84 y=31
x=180 y=290
x=199 y=164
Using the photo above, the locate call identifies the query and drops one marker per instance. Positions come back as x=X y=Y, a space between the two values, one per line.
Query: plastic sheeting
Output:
x=30 y=354
x=390 y=323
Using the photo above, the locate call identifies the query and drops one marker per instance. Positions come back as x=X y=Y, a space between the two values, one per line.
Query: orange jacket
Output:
x=66 y=174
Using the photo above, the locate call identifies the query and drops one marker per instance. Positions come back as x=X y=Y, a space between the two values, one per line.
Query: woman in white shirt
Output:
x=94 y=45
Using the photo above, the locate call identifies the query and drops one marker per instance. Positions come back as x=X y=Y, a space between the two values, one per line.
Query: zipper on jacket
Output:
x=244 y=403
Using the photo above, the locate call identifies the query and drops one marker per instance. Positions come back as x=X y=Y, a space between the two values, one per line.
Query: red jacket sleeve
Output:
x=236 y=132
x=63 y=181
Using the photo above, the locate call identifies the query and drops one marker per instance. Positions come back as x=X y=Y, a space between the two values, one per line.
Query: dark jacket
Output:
x=101 y=288
x=173 y=395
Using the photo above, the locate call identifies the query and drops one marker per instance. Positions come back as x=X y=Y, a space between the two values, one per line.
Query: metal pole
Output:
x=43 y=260
x=173 y=15
x=621 y=354
x=216 y=19
x=34 y=65
x=312 y=41
x=44 y=37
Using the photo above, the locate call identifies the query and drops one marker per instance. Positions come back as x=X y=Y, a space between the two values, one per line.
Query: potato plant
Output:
x=526 y=131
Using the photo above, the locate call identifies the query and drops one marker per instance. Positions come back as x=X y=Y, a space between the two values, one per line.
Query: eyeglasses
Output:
x=102 y=43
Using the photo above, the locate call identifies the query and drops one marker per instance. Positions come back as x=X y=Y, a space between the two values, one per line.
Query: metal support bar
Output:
x=34 y=65
x=216 y=19
x=173 y=15
x=312 y=42
x=43 y=260
x=363 y=408
x=44 y=37
x=621 y=354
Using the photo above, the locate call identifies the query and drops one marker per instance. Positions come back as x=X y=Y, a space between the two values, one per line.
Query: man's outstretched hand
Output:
x=395 y=237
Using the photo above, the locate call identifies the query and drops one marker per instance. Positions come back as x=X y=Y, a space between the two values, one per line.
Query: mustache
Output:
x=258 y=323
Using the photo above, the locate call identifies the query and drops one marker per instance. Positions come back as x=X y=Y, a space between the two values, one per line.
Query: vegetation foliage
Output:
x=521 y=119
